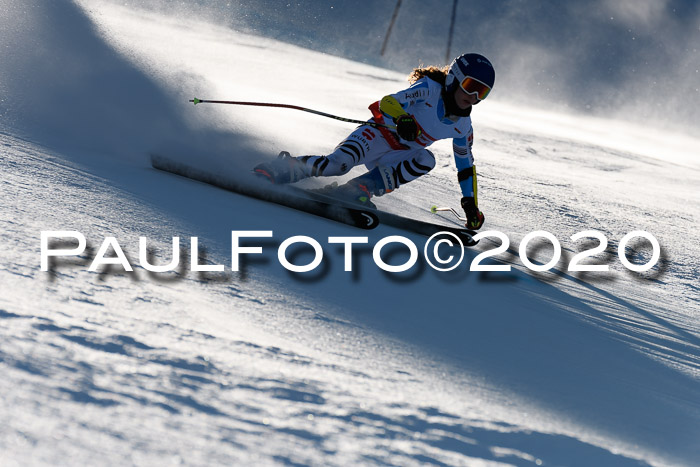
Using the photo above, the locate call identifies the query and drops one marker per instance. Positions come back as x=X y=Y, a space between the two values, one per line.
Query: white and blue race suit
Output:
x=400 y=160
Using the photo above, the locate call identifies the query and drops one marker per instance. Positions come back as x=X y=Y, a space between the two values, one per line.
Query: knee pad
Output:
x=425 y=161
x=414 y=167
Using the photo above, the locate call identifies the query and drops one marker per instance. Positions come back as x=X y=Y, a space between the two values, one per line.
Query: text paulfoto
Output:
x=439 y=251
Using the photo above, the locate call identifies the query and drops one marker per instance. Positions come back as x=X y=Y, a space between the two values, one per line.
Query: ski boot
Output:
x=360 y=190
x=284 y=169
x=355 y=193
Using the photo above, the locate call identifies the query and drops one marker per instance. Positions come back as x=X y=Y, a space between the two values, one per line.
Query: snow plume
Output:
x=637 y=13
x=631 y=59
x=64 y=86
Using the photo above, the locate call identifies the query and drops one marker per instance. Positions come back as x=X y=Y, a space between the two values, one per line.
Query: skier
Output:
x=436 y=106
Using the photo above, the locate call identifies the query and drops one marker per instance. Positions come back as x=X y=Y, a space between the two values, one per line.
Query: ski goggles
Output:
x=474 y=86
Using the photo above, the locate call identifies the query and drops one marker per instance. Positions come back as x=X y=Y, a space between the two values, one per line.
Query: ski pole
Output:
x=435 y=209
x=295 y=107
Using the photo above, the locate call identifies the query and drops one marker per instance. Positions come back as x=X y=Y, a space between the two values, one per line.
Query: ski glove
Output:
x=406 y=127
x=475 y=218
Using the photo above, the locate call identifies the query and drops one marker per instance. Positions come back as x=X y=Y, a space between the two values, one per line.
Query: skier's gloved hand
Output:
x=406 y=127
x=475 y=218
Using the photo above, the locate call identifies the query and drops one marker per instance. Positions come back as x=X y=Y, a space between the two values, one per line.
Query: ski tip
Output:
x=364 y=220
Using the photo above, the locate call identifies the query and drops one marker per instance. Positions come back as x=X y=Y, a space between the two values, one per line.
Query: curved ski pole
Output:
x=294 y=107
x=434 y=209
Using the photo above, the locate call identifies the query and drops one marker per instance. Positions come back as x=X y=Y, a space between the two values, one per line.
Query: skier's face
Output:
x=464 y=100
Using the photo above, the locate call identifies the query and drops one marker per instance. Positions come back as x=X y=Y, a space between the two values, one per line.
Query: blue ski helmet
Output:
x=473 y=72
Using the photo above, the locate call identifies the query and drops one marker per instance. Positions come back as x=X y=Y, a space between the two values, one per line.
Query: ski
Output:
x=312 y=203
x=465 y=235
x=408 y=224
x=354 y=216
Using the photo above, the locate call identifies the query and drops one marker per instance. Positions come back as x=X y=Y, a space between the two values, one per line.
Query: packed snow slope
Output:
x=265 y=366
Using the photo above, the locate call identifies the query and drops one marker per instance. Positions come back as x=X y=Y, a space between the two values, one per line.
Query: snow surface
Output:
x=329 y=367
